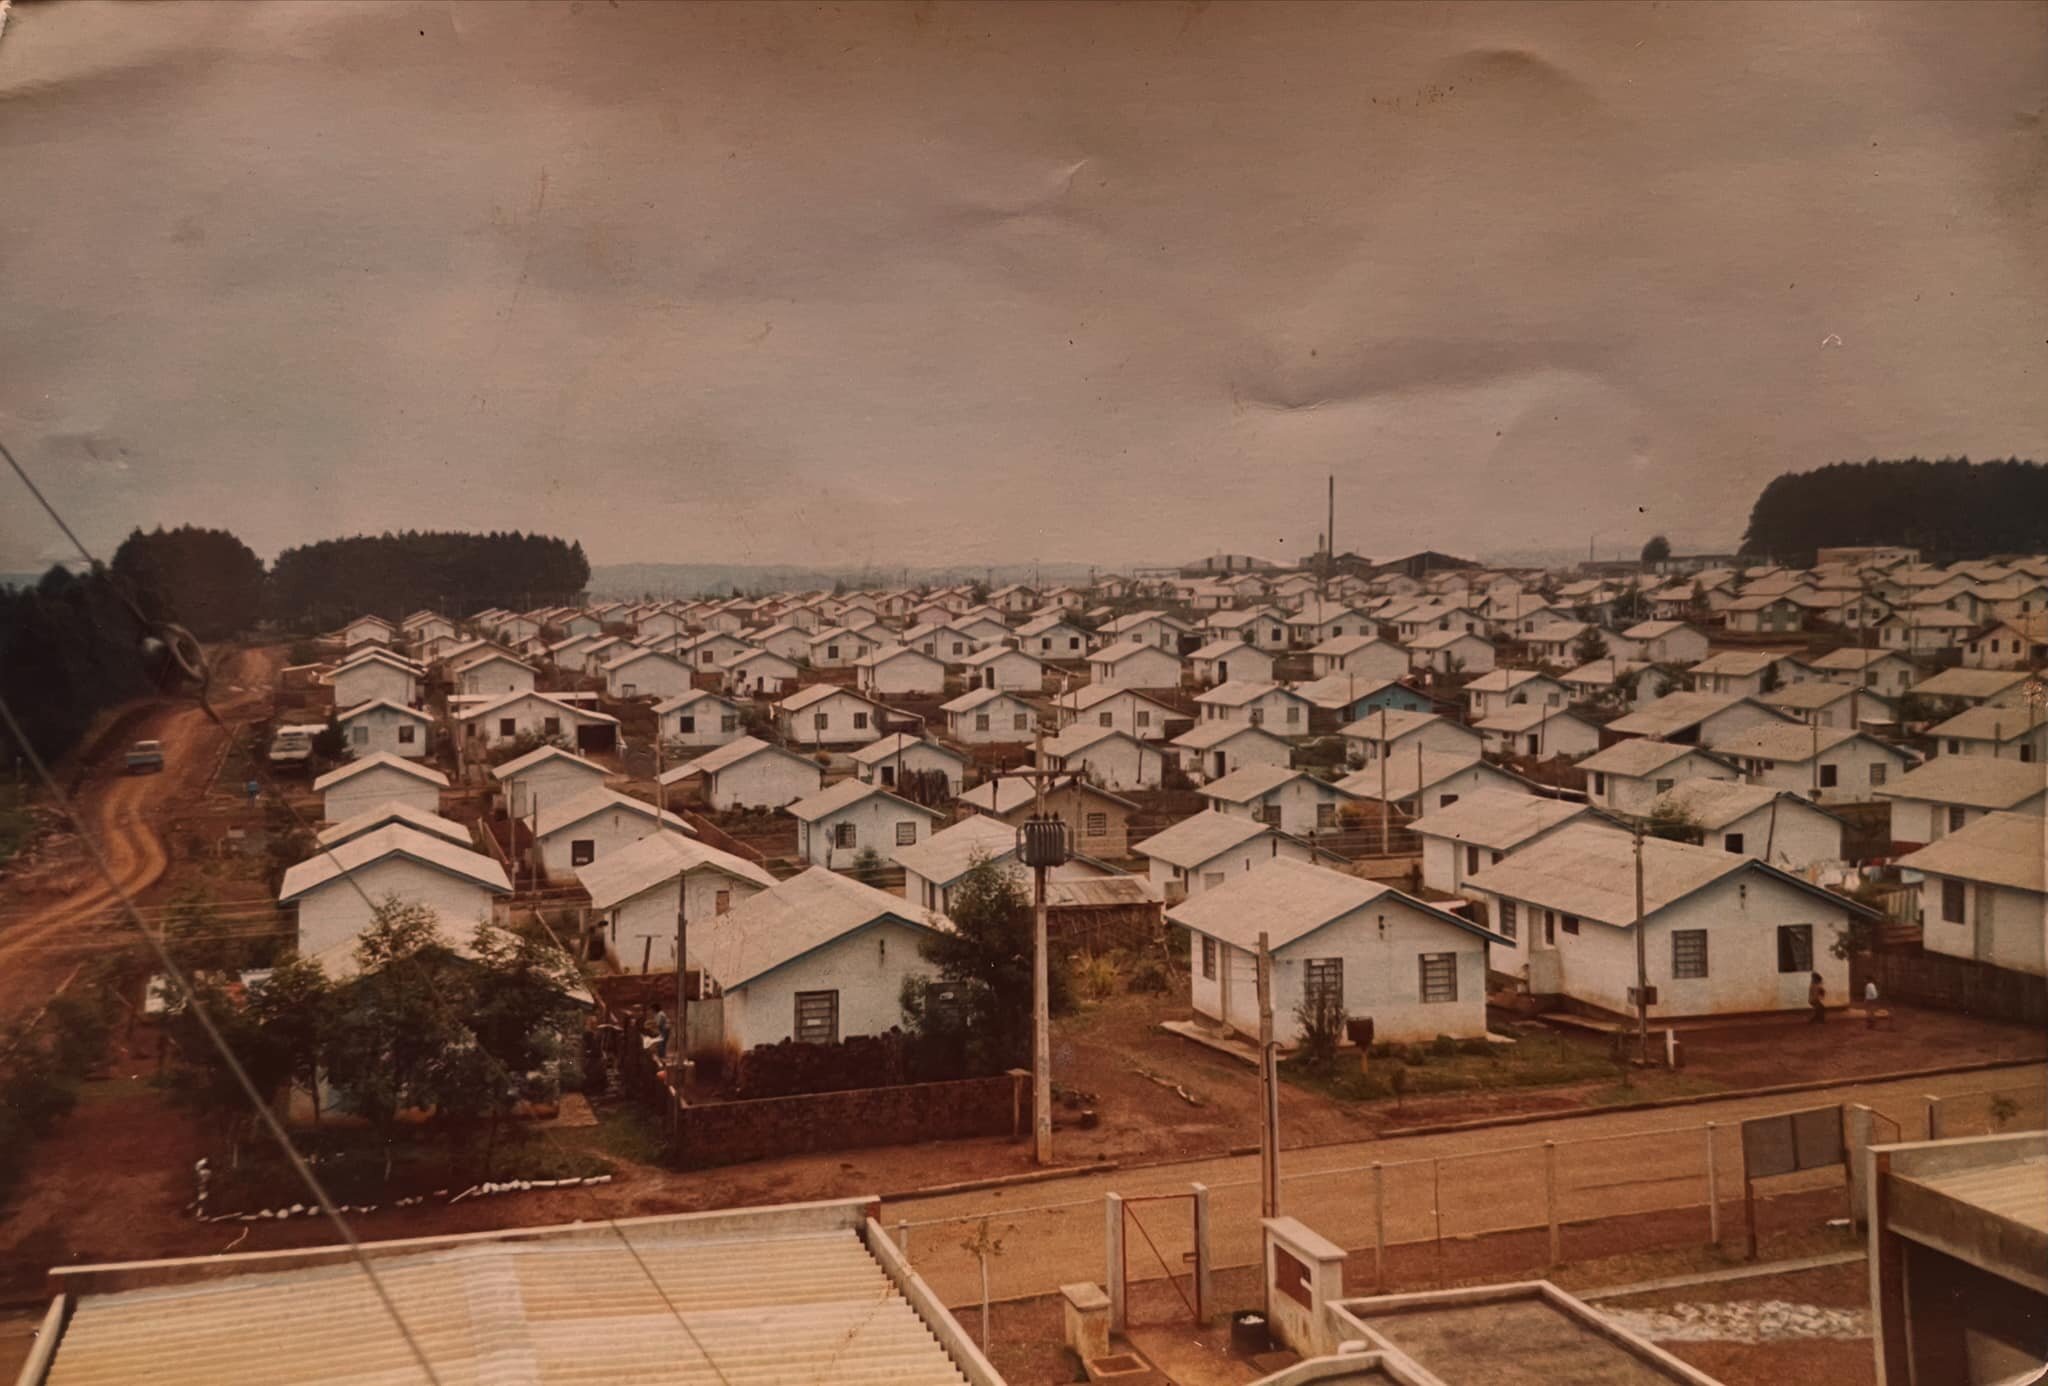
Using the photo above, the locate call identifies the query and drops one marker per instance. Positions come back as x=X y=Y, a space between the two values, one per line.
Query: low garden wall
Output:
x=724 y=1133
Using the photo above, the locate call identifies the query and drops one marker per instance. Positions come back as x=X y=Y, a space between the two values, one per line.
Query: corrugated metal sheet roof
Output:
x=1199 y=837
x=1638 y=756
x=1497 y=818
x=380 y=760
x=657 y=858
x=392 y=840
x=2008 y=849
x=800 y=1309
x=1972 y=781
x=803 y=913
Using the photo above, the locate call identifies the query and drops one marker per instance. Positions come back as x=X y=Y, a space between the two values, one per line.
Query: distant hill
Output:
x=621 y=580
x=1950 y=509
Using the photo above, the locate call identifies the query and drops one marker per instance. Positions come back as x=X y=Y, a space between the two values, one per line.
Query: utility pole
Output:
x=1042 y=844
x=1386 y=809
x=1269 y=1091
x=1642 y=961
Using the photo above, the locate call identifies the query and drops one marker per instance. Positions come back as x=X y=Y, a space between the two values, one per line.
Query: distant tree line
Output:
x=1950 y=509
x=324 y=584
x=69 y=647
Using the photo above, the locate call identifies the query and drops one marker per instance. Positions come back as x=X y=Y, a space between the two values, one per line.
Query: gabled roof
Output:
x=1089 y=695
x=1811 y=694
x=1795 y=742
x=1206 y=736
x=1039 y=625
x=393 y=840
x=797 y=917
x=992 y=653
x=731 y=754
x=950 y=853
x=655 y=860
x=817 y=693
x=1250 y=782
x=637 y=653
x=1972 y=782
x=1079 y=737
x=1439 y=639
x=2005 y=849
x=695 y=695
x=1651 y=630
x=571 y=811
x=1221 y=648
x=1340 y=690
x=1739 y=663
x=1676 y=711
x=1350 y=645
x=1714 y=804
x=1288 y=900
x=1640 y=756
x=391 y=811
x=1589 y=871
x=884 y=654
x=1970 y=683
x=503 y=701
x=884 y=749
x=376 y=654
x=1986 y=723
x=1201 y=837
x=1239 y=692
x=1524 y=717
x=847 y=793
x=1405 y=777
x=541 y=755
x=1395 y=723
x=385 y=704
x=977 y=697
x=1124 y=649
x=1499 y=819
x=381 y=760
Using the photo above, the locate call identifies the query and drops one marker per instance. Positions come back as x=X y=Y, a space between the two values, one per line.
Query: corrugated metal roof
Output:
x=1674 y=712
x=391 y=811
x=1200 y=837
x=393 y=840
x=1250 y=781
x=1988 y=723
x=1207 y=735
x=798 y=1309
x=384 y=760
x=657 y=858
x=730 y=754
x=1408 y=775
x=803 y=913
x=1638 y=756
x=568 y=812
x=1972 y=781
x=946 y=855
x=845 y=794
x=1287 y=900
x=2007 y=849
x=1498 y=818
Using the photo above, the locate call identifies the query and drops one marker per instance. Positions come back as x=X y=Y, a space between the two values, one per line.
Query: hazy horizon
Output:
x=912 y=286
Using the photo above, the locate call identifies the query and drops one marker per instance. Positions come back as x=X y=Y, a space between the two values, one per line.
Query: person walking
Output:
x=1816 y=997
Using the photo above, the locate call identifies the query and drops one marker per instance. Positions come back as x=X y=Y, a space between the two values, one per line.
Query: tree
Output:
x=1657 y=550
x=1322 y=1016
x=1671 y=822
x=518 y=1015
x=1948 y=509
x=1590 y=646
x=207 y=580
x=985 y=960
x=293 y=1011
x=1631 y=606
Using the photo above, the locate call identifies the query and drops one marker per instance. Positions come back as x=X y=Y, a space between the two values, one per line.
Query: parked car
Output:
x=145 y=756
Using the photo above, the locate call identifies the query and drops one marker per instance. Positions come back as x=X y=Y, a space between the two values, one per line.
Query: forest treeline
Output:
x=1949 y=509
x=71 y=645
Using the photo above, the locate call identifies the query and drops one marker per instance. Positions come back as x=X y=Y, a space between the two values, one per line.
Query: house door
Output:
x=1223 y=671
x=595 y=736
x=1224 y=968
x=1982 y=943
x=1219 y=772
x=889 y=776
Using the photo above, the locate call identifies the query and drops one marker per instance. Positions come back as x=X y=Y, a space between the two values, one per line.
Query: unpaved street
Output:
x=124 y=814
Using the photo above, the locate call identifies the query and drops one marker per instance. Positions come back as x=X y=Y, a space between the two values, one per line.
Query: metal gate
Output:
x=1191 y=1205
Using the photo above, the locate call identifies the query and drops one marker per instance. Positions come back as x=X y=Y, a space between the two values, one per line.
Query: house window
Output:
x=508 y=726
x=860 y=721
x=906 y=833
x=1956 y=818
x=1571 y=923
x=359 y=736
x=1732 y=842
x=817 y=1017
x=1952 y=911
x=1599 y=783
x=1269 y=814
x=1323 y=983
x=1097 y=825
x=981 y=721
x=1211 y=878
x=1326 y=815
x=1664 y=786
x=628 y=690
x=1258 y=716
x=408 y=734
x=1208 y=958
x=1471 y=859
x=1507 y=918
x=821 y=720
x=1020 y=722
x=1293 y=716
x=1955 y=746
x=1550 y=927
x=1439 y=977
x=844 y=835
x=1827 y=777
x=1444 y=801
x=685 y=724
x=1688 y=953
x=831 y=652
x=1144 y=718
x=729 y=722
x=1105 y=719
x=551 y=726
x=1795 y=948
x=582 y=851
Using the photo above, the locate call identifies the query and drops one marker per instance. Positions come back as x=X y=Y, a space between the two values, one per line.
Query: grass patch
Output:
x=350 y=1163
x=627 y=1131
x=1536 y=1061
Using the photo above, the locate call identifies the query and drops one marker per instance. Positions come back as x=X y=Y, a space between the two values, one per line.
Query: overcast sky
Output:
x=948 y=283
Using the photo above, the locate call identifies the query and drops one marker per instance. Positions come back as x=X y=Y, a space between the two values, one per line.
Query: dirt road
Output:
x=123 y=814
x=1478 y=1182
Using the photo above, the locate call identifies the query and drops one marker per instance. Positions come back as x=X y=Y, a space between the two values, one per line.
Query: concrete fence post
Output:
x=1933 y=1116
x=1713 y=1190
x=1113 y=1250
x=1379 y=1228
x=1857 y=1139
x=1205 y=1297
x=903 y=1237
x=1550 y=1200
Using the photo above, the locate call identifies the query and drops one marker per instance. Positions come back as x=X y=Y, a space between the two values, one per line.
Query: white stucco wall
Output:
x=1297 y=801
x=2002 y=926
x=1637 y=796
x=906 y=674
x=1219 y=869
x=336 y=912
x=1919 y=820
x=1797 y=839
x=652 y=915
x=1002 y=715
x=763 y=781
x=496 y=676
x=369 y=682
x=1117 y=764
x=607 y=831
x=843 y=713
x=866 y=969
x=1011 y=672
x=550 y=782
x=1152 y=668
x=378 y=786
x=652 y=676
x=378 y=730
x=1237 y=753
x=875 y=821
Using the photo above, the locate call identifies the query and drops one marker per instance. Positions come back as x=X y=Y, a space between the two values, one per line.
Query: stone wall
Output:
x=723 y=1133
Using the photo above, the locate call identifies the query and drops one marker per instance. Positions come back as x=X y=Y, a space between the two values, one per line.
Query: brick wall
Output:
x=724 y=1133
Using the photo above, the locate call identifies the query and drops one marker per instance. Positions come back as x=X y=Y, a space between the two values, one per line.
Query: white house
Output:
x=647 y=674
x=1541 y=732
x=1428 y=780
x=492 y=671
x=984 y=715
x=1211 y=750
x=747 y=772
x=838 y=647
x=1497 y=690
x=1052 y=636
x=699 y=718
x=575 y=832
x=383 y=725
x=1261 y=627
x=337 y=890
x=1982 y=895
x=375 y=676
x=899 y=755
x=1882 y=670
x=1660 y=642
x=1630 y=776
x=1105 y=756
x=1749 y=672
x=1227 y=658
x=933 y=867
x=1949 y=793
x=1316 y=621
x=503 y=721
x=999 y=666
x=1415 y=970
x=975 y=631
x=368 y=630
x=824 y=714
x=1131 y=664
x=758 y=674
x=1447 y=652
x=819 y=958
x=1397 y=732
x=898 y=670
x=1122 y=709
x=375 y=779
x=1204 y=850
x=1825 y=703
x=2002 y=733
x=1764 y=613
x=633 y=893
x=1293 y=801
x=1724 y=933
x=838 y=823
x=1975 y=687
x=1483 y=827
x=1754 y=820
x=1557 y=644
x=545 y=775
x=709 y=652
x=1145 y=628
x=1270 y=705
x=1826 y=764
x=2018 y=643
x=789 y=641
x=1363 y=654
x=1705 y=719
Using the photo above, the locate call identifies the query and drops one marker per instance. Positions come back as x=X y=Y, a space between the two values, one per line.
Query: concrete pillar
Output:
x=1085 y=1311
x=1113 y=1249
x=1857 y=1137
x=1205 y=1293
